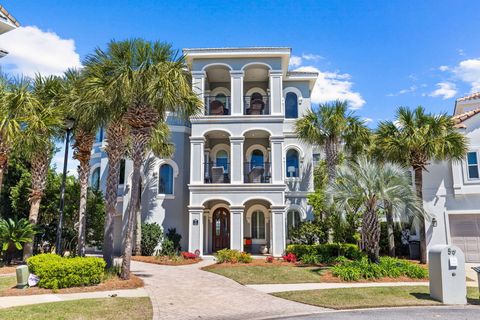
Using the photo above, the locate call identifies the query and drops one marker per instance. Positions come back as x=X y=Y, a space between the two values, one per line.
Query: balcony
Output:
x=215 y=173
x=218 y=105
x=256 y=104
x=255 y=172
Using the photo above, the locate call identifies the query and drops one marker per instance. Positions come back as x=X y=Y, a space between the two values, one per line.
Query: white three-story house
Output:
x=239 y=176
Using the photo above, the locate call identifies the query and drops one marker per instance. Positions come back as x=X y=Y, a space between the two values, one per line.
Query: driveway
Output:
x=186 y=292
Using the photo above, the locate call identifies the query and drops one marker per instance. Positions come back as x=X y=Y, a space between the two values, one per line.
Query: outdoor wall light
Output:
x=434 y=222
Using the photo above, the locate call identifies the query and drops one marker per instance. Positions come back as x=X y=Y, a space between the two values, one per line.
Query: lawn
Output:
x=255 y=274
x=104 y=309
x=7 y=282
x=354 y=298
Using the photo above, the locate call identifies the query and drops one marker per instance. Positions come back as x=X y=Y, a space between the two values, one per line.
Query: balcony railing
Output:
x=257 y=105
x=217 y=106
x=215 y=173
x=255 y=172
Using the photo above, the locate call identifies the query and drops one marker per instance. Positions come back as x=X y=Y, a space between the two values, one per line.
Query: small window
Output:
x=472 y=165
x=165 y=185
x=95 y=179
x=293 y=220
x=292 y=164
x=121 y=179
x=258 y=225
x=291 y=106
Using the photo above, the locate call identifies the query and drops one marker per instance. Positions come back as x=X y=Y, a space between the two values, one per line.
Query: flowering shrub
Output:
x=290 y=257
x=189 y=255
x=232 y=256
x=269 y=259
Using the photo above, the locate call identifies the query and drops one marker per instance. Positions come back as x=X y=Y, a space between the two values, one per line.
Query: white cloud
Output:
x=295 y=61
x=446 y=90
x=403 y=91
x=367 y=120
x=32 y=50
x=332 y=86
x=461 y=52
x=312 y=57
x=443 y=68
x=469 y=72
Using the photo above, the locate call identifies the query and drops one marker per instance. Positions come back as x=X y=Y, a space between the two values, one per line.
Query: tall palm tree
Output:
x=149 y=80
x=414 y=139
x=332 y=127
x=44 y=124
x=373 y=185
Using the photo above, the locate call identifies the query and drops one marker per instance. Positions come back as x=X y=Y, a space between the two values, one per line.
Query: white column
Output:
x=198 y=84
x=276 y=145
x=236 y=159
x=197 y=173
x=236 y=78
x=276 y=88
x=236 y=227
x=195 y=229
x=206 y=213
x=278 y=230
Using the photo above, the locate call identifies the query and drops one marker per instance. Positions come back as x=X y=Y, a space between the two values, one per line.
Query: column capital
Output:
x=237 y=139
x=197 y=139
x=277 y=139
x=276 y=73
x=199 y=74
x=196 y=209
x=237 y=209
x=278 y=209
x=237 y=73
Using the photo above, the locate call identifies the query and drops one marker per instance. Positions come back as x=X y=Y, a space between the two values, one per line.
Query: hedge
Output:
x=57 y=272
x=325 y=252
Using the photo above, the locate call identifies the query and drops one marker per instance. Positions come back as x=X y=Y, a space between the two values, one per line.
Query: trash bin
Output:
x=22 y=277
x=414 y=249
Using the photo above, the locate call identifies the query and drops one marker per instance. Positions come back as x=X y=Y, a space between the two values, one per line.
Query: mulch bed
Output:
x=8 y=270
x=165 y=260
x=110 y=284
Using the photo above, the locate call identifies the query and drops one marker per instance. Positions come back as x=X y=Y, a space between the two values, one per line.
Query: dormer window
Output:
x=472 y=165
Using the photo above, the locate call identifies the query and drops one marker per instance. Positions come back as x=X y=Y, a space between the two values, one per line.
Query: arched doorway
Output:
x=221 y=229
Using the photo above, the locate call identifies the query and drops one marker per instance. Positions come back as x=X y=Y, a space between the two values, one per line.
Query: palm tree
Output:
x=373 y=185
x=332 y=127
x=148 y=79
x=13 y=234
x=45 y=123
x=414 y=139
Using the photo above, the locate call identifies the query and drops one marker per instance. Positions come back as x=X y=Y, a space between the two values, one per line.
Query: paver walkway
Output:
x=186 y=292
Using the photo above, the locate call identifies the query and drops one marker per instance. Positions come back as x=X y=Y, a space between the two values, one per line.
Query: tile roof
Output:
x=9 y=16
x=472 y=96
x=460 y=118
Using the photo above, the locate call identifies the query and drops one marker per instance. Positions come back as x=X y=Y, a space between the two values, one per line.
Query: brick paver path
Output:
x=186 y=292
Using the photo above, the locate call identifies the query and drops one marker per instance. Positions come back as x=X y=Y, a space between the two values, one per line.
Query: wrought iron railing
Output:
x=217 y=173
x=217 y=106
x=257 y=172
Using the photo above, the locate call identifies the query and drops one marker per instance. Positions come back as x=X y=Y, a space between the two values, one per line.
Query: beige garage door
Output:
x=465 y=233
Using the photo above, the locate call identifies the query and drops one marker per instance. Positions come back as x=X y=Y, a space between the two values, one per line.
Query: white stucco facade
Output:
x=239 y=174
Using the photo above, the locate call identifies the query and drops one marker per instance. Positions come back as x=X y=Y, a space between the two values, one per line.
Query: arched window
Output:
x=256 y=160
x=258 y=225
x=292 y=163
x=95 y=179
x=222 y=159
x=165 y=185
x=291 y=105
x=293 y=220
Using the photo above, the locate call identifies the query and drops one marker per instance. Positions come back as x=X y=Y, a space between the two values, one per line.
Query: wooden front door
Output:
x=221 y=229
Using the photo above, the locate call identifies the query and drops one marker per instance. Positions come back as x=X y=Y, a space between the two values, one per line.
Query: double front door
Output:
x=221 y=229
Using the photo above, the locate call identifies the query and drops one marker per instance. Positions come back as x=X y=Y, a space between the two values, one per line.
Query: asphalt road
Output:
x=422 y=313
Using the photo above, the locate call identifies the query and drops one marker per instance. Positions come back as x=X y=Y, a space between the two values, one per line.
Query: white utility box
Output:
x=447 y=274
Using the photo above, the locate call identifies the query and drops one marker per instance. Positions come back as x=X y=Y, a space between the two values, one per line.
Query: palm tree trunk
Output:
x=139 y=142
x=371 y=235
x=423 y=237
x=331 y=160
x=115 y=149
x=32 y=218
x=3 y=163
x=138 y=233
x=390 y=230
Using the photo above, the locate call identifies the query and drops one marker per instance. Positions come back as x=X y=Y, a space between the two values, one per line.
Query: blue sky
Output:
x=377 y=54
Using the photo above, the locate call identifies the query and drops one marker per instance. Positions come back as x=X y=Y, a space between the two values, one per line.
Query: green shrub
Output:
x=388 y=267
x=57 y=272
x=310 y=258
x=232 y=256
x=152 y=235
x=326 y=253
x=173 y=236
x=168 y=248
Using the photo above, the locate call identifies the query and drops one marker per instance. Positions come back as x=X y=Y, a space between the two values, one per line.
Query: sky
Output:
x=377 y=55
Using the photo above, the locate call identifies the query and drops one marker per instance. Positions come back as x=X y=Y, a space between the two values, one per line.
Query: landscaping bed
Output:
x=373 y=297
x=105 y=309
x=165 y=260
x=7 y=270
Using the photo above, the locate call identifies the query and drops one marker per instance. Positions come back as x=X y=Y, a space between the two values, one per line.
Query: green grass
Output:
x=374 y=297
x=7 y=282
x=104 y=309
x=269 y=275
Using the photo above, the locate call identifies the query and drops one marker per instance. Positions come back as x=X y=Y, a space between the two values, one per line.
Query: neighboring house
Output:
x=239 y=176
x=452 y=189
x=7 y=23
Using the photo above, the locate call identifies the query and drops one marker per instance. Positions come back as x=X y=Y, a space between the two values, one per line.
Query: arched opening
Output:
x=217 y=157
x=258 y=225
x=217 y=90
x=165 y=184
x=256 y=86
x=95 y=179
x=291 y=105
x=256 y=151
x=292 y=164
